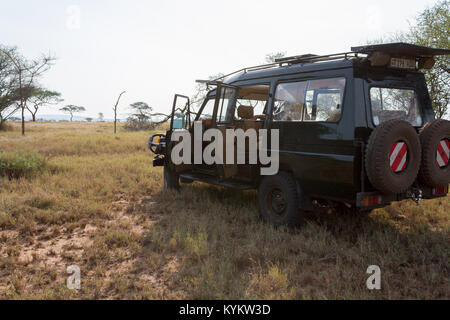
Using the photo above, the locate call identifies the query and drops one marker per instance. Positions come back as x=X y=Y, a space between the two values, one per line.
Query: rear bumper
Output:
x=372 y=200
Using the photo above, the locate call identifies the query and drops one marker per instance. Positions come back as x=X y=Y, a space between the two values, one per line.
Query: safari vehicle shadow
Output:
x=209 y=243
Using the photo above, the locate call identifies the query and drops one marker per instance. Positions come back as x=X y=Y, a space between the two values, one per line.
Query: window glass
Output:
x=180 y=116
x=288 y=103
x=226 y=105
x=208 y=110
x=391 y=103
x=324 y=100
x=254 y=96
x=314 y=100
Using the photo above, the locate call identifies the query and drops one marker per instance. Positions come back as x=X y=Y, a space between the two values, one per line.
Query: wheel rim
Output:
x=398 y=157
x=276 y=202
x=443 y=153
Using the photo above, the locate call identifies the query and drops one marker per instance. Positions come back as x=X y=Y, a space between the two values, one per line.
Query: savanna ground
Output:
x=90 y=198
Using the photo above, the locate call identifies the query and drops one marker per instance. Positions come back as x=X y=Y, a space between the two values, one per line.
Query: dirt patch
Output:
x=47 y=251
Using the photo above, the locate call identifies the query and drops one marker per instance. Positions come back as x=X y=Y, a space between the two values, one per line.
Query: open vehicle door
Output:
x=181 y=115
x=218 y=118
x=180 y=118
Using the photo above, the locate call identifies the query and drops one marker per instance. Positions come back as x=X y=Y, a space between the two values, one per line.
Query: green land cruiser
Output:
x=356 y=131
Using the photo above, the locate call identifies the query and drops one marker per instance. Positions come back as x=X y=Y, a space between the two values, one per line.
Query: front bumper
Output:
x=158 y=161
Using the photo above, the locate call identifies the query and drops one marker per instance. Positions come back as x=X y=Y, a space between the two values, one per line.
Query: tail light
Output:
x=371 y=201
x=439 y=191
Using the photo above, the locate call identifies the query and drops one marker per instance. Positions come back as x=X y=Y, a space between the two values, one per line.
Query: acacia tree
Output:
x=271 y=57
x=433 y=29
x=141 y=111
x=71 y=109
x=8 y=85
x=101 y=116
x=201 y=90
x=115 y=111
x=140 y=117
x=41 y=97
x=26 y=73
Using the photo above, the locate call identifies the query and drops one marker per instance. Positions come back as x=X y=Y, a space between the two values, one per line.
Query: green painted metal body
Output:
x=327 y=158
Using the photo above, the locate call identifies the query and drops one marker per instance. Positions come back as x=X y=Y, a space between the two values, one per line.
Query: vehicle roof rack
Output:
x=393 y=49
x=304 y=58
x=310 y=58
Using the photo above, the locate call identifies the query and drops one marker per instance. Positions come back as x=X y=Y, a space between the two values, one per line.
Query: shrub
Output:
x=135 y=125
x=19 y=164
x=4 y=126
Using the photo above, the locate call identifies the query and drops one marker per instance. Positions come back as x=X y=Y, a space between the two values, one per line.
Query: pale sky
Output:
x=154 y=49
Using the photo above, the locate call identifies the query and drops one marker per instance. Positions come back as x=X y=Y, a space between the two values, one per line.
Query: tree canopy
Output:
x=71 y=109
x=431 y=28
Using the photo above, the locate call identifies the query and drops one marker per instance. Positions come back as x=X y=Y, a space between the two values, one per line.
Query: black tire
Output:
x=435 y=172
x=380 y=147
x=171 y=179
x=279 y=200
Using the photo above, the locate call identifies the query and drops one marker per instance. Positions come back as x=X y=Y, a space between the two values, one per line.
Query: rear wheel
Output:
x=171 y=179
x=279 y=200
x=435 y=141
x=393 y=156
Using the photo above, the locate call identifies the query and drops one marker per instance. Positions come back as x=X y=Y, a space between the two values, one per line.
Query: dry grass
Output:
x=103 y=208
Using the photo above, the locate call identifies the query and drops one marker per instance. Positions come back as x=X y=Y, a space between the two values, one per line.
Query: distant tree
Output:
x=115 y=111
x=40 y=97
x=431 y=28
x=101 y=117
x=200 y=92
x=140 y=117
x=8 y=86
x=71 y=109
x=141 y=111
x=271 y=57
x=89 y=119
x=26 y=74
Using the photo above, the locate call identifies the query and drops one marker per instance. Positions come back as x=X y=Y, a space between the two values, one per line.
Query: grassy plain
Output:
x=91 y=198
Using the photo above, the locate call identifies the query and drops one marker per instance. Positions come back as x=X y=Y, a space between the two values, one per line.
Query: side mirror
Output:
x=155 y=141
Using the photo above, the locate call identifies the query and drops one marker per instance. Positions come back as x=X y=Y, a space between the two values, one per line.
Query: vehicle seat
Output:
x=206 y=123
x=245 y=112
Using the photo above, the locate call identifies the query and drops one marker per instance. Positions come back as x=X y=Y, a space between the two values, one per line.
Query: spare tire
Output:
x=393 y=156
x=435 y=141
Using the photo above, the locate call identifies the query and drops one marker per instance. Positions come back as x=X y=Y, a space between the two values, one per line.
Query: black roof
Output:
x=311 y=62
x=291 y=69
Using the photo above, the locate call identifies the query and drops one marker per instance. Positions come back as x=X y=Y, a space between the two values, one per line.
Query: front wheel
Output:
x=171 y=179
x=279 y=200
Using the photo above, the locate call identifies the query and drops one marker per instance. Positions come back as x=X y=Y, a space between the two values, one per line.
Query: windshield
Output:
x=394 y=103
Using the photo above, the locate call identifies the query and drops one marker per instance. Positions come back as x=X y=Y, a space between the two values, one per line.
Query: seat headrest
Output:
x=245 y=112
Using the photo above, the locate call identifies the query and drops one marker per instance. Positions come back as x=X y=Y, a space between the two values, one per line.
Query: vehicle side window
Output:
x=208 y=109
x=314 y=100
x=289 y=101
x=324 y=100
x=254 y=97
x=226 y=105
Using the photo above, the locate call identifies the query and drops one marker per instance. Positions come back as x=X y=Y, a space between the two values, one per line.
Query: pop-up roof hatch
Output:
x=401 y=55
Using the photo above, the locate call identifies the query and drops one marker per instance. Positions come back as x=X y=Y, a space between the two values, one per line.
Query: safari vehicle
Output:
x=356 y=131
